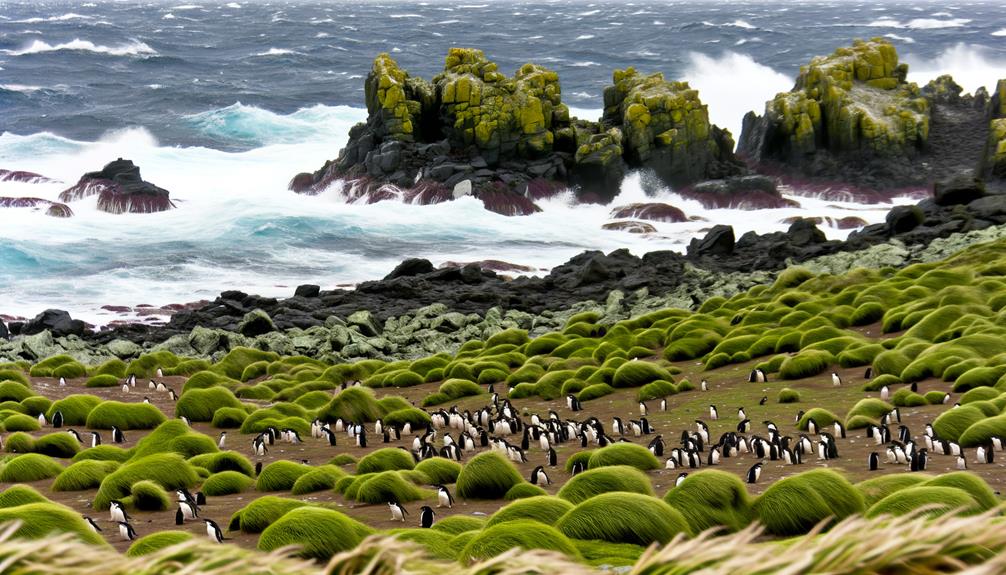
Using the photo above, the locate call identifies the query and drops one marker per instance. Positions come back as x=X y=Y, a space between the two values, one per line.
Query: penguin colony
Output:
x=531 y=437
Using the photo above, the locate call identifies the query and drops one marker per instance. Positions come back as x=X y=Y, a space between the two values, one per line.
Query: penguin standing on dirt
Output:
x=179 y=517
x=885 y=393
x=57 y=419
x=398 y=512
x=361 y=437
x=713 y=413
x=642 y=408
x=62 y=381
x=741 y=414
x=553 y=459
x=754 y=473
x=869 y=373
x=222 y=440
x=835 y=380
x=117 y=435
x=91 y=523
x=704 y=385
x=126 y=531
x=681 y=477
x=444 y=497
x=874 y=461
x=213 y=531
x=538 y=476
x=426 y=517
x=41 y=420
x=188 y=509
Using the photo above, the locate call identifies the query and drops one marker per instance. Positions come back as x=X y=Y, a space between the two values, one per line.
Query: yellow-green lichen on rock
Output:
x=397 y=98
x=855 y=100
x=666 y=127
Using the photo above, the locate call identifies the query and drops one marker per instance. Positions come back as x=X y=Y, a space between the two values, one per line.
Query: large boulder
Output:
x=56 y=321
x=666 y=129
x=120 y=189
x=993 y=163
x=960 y=189
x=850 y=115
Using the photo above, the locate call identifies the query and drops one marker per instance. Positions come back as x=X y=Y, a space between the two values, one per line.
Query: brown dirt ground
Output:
x=728 y=390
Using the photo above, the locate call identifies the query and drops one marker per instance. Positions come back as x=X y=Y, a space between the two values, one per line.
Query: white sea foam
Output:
x=919 y=23
x=971 y=66
x=1000 y=32
x=905 y=39
x=277 y=52
x=132 y=48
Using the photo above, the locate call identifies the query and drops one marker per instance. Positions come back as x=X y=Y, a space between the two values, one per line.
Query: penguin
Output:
x=839 y=429
x=117 y=435
x=444 y=497
x=151 y=384
x=744 y=426
x=764 y=400
x=874 y=461
x=329 y=435
x=361 y=437
x=41 y=420
x=754 y=473
x=704 y=385
x=426 y=516
x=161 y=387
x=885 y=393
x=578 y=468
x=740 y=413
x=179 y=517
x=146 y=399
x=398 y=512
x=663 y=404
x=915 y=387
x=62 y=381
x=186 y=421
x=962 y=462
x=681 y=477
x=160 y=373
x=200 y=498
x=172 y=395
x=92 y=524
x=713 y=414
x=670 y=463
x=57 y=419
x=946 y=398
x=258 y=468
x=835 y=380
x=213 y=531
x=125 y=388
x=539 y=475
x=552 y=457
x=642 y=408
x=869 y=373
x=714 y=456
x=222 y=440
x=188 y=509
x=656 y=446
x=126 y=531
x=812 y=426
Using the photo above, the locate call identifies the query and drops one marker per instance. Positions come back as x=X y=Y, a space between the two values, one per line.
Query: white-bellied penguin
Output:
x=117 y=435
x=92 y=524
x=538 y=476
x=213 y=531
x=713 y=414
x=754 y=473
x=741 y=414
x=444 y=497
x=126 y=531
x=398 y=512
x=552 y=457
x=835 y=379
x=222 y=439
x=704 y=385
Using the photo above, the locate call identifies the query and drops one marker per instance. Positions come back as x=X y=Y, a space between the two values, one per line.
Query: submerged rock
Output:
x=23 y=177
x=633 y=227
x=120 y=190
x=54 y=209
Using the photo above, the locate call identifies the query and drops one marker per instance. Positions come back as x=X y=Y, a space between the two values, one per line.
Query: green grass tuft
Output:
x=29 y=467
x=321 y=479
x=261 y=513
x=388 y=486
x=792 y=506
x=523 y=491
x=624 y=453
x=440 y=471
x=280 y=475
x=75 y=408
x=156 y=541
x=623 y=518
x=787 y=395
x=877 y=488
x=356 y=404
x=169 y=470
x=938 y=501
x=521 y=533
x=639 y=373
x=542 y=508
x=487 y=476
x=594 y=482
x=148 y=496
x=226 y=483
x=712 y=498
x=805 y=364
x=318 y=533
x=84 y=475
x=201 y=404
x=386 y=459
x=125 y=416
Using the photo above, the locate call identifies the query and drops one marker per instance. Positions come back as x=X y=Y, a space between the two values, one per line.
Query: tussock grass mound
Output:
x=787 y=395
x=439 y=470
x=202 y=404
x=226 y=483
x=261 y=513
x=951 y=424
x=982 y=431
x=14 y=391
x=456 y=524
x=224 y=461
x=521 y=533
x=229 y=417
x=147 y=496
x=75 y=408
x=936 y=500
x=20 y=442
x=807 y=363
x=173 y=436
x=57 y=445
x=321 y=479
x=156 y=541
x=905 y=397
x=103 y=453
x=487 y=476
x=20 y=422
x=14 y=375
x=399 y=417
x=84 y=475
x=639 y=373
x=623 y=518
x=29 y=467
x=125 y=416
x=388 y=486
x=594 y=391
x=451 y=390
x=386 y=459
x=523 y=491
x=821 y=416
x=542 y=508
x=623 y=453
x=318 y=533
x=582 y=456
x=877 y=488
x=169 y=470
x=436 y=543
x=594 y=482
x=712 y=498
x=794 y=505
x=356 y=404
x=971 y=484
x=46 y=367
x=102 y=380
x=280 y=475
x=41 y=519
x=234 y=363
x=16 y=495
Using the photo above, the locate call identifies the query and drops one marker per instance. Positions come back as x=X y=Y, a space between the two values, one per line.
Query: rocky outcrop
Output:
x=993 y=162
x=54 y=209
x=509 y=140
x=650 y=211
x=852 y=117
x=120 y=189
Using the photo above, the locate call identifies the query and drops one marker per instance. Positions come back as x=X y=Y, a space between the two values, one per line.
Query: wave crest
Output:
x=131 y=48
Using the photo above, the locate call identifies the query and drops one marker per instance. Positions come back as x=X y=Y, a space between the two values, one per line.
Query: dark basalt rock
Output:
x=719 y=241
x=657 y=212
x=632 y=227
x=512 y=139
x=120 y=189
x=902 y=219
x=307 y=291
x=959 y=189
x=54 y=209
x=409 y=268
x=754 y=192
x=58 y=322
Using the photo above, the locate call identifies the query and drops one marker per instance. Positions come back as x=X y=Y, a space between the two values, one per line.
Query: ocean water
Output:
x=223 y=102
